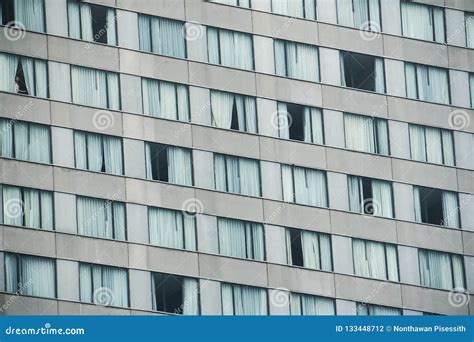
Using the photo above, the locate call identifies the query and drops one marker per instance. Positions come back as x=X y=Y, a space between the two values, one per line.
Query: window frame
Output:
x=431 y=9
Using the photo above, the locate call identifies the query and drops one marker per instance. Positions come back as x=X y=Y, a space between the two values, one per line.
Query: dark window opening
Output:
x=367 y=194
x=99 y=23
x=8 y=15
x=296 y=119
x=296 y=247
x=235 y=119
x=431 y=204
x=359 y=71
x=159 y=162
x=168 y=291
x=20 y=83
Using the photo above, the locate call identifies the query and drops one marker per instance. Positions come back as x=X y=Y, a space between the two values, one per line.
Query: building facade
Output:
x=255 y=157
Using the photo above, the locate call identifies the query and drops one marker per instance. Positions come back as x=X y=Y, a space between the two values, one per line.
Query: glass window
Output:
x=308 y=249
x=423 y=21
x=240 y=3
x=295 y=8
x=470 y=30
x=243 y=300
x=427 y=83
x=296 y=60
x=302 y=123
x=308 y=305
x=304 y=186
x=375 y=259
x=165 y=100
x=175 y=294
x=441 y=270
x=436 y=206
x=23 y=14
x=360 y=14
x=432 y=145
x=161 y=36
x=237 y=175
x=233 y=111
x=364 y=309
x=241 y=239
x=366 y=134
x=362 y=72
x=370 y=196
x=230 y=48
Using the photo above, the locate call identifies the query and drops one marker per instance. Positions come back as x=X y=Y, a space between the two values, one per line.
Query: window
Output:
x=295 y=8
x=304 y=186
x=233 y=111
x=237 y=175
x=96 y=88
x=441 y=270
x=471 y=86
x=435 y=206
x=296 y=60
x=27 y=14
x=308 y=249
x=364 y=309
x=427 y=83
x=103 y=285
x=161 y=36
x=470 y=30
x=362 y=72
x=360 y=14
x=27 y=207
x=175 y=294
x=375 y=259
x=168 y=164
x=240 y=3
x=297 y=122
x=370 y=196
x=422 y=21
x=101 y=218
x=23 y=75
x=25 y=141
x=241 y=239
x=366 y=134
x=30 y=275
x=432 y=145
x=172 y=228
x=165 y=100
x=230 y=48
x=97 y=152
x=308 y=305
x=91 y=22
x=243 y=300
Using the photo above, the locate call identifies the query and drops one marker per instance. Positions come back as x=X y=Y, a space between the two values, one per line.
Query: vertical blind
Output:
x=165 y=100
x=230 y=48
x=316 y=248
x=366 y=134
x=103 y=285
x=449 y=203
x=81 y=23
x=97 y=152
x=312 y=123
x=304 y=186
x=296 y=60
x=427 y=83
x=30 y=275
x=30 y=13
x=376 y=310
x=179 y=165
x=27 y=207
x=380 y=202
x=422 y=21
x=96 y=88
x=361 y=14
x=161 y=36
x=223 y=105
x=34 y=72
x=432 y=145
x=295 y=8
x=375 y=259
x=470 y=31
x=241 y=3
x=171 y=228
x=441 y=270
x=237 y=175
x=307 y=305
x=31 y=141
x=243 y=300
x=241 y=239
x=101 y=218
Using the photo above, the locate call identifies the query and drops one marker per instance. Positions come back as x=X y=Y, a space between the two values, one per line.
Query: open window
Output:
x=370 y=196
x=297 y=122
x=175 y=294
x=23 y=14
x=166 y=163
x=308 y=249
x=233 y=111
x=159 y=162
x=363 y=72
x=436 y=206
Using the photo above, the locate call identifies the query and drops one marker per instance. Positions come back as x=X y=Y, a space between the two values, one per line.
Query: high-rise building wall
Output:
x=237 y=157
